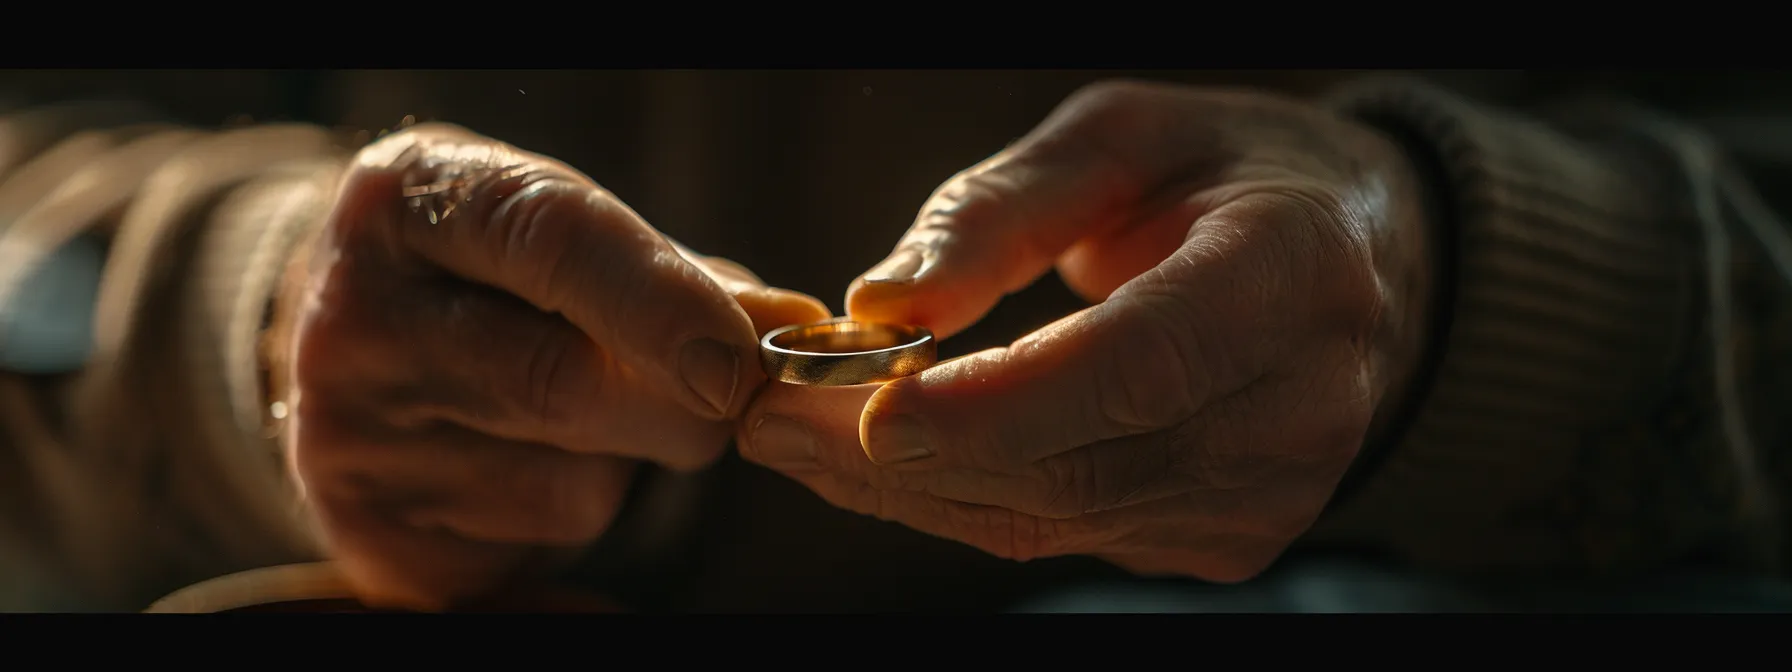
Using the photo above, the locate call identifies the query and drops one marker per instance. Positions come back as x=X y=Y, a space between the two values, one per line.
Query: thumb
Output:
x=993 y=230
x=768 y=307
x=1209 y=321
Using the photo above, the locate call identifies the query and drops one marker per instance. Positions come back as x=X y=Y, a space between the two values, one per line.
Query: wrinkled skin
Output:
x=1260 y=275
x=477 y=373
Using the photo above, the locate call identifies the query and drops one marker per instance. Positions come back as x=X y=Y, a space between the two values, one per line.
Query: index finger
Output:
x=540 y=230
x=1203 y=324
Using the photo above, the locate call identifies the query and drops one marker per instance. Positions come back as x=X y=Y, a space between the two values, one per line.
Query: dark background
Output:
x=807 y=177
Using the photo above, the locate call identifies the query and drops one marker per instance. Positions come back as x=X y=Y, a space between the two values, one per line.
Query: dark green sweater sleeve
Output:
x=1609 y=358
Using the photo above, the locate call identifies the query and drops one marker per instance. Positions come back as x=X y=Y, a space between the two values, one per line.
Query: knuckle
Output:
x=974 y=203
x=390 y=152
x=1314 y=210
x=396 y=150
x=1329 y=237
x=523 y=218
x=524 y=227
x=1099 y=118
x=543 y=227
x=967 y=197
x=725 y=271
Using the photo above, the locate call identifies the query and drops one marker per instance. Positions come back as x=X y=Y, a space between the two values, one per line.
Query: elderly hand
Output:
x=1261 y=274
x=487 y=344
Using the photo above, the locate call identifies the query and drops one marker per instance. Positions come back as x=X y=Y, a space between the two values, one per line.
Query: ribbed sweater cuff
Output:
x=1568 y=281
x=240 y=255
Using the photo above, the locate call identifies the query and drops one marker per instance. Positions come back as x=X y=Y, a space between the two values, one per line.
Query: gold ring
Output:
x=842 y=351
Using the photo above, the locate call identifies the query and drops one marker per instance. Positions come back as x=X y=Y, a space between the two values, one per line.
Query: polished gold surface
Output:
x=845 y=352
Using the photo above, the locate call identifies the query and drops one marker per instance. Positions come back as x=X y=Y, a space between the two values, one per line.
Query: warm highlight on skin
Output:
x=1260 y=272
x=465 y=410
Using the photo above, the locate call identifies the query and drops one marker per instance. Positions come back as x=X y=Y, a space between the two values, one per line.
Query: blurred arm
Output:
x=1610 y=355
x=141 y=459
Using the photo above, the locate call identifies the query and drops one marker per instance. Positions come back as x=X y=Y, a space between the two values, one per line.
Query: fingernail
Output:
x=905 y=265
x=898 y=440
x=782 y=443
x=710 y=369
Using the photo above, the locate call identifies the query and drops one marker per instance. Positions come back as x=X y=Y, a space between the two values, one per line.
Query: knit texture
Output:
x=153 y=467
x=1568 y=425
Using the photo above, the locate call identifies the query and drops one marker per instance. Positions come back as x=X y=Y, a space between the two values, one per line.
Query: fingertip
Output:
x=766 y=308
x=696 y=344
x=942 y=306
x=910 y=395
x=825 y=417
x=821 y=405
x=881 y=302
x=714 y=349
x=713 y=371
x=770 y=308
x=889 y=400
x=887 y=291
x=894 y=429
x=911 y=419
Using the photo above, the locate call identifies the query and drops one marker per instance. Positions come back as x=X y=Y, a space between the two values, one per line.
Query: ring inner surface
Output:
x=844 y=338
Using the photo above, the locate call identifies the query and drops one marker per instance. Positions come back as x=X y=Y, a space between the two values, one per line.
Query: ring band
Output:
x=842 y=351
